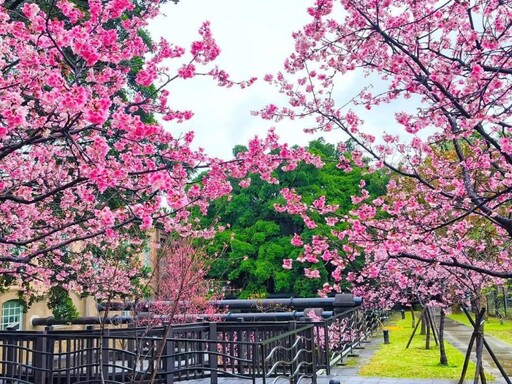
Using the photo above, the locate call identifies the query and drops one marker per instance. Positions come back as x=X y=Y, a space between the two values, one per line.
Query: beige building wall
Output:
x=156 y=239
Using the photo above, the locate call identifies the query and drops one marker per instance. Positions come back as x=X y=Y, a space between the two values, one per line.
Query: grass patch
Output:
x=500 y=329
x=394 y=360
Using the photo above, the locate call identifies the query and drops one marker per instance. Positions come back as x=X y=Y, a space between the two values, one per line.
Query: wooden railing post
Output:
x=212 y=355
x=169 y=361
x=40 y=357
x=89 y=353
x=105 y=352
x=327 y=351
x=259 y=359
x=10 y=353
x=131 y=360
x=311 y=346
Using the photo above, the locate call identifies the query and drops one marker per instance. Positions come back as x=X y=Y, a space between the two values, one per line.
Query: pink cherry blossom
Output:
x=287 y=263
x=86 y=166
x=296 y=240
x=187 y=71
x=446 y=211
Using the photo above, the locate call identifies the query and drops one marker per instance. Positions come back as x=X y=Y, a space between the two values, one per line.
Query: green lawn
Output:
x=394 y=360
x=501 y=329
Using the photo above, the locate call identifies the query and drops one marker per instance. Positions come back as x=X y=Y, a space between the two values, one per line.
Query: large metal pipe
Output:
x=86 y=320
x=269 y=316
x=255 y=316
x=327 y=303
x=339 y=301
x=117 y=320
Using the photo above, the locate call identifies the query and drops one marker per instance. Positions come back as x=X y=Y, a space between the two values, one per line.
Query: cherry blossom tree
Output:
x=181 y=293
x=86 y=169
x=449 y=203
x=444 y=69
x=181 y=290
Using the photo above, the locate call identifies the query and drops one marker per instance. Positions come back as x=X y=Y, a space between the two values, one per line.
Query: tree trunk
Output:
x=479 y=372
x=413 y=317
x=443 y=359
x=424 y=325
x=427 y=339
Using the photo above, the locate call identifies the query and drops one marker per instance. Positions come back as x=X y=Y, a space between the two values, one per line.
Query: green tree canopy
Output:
x=256 y=238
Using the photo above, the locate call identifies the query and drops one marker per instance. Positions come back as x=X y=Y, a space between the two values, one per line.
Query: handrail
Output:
x=341 y=300
x=291 y=354
x=192 y=351
x=299 y=366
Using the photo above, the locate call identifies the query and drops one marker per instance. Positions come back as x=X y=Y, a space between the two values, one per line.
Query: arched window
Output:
x=12 y=314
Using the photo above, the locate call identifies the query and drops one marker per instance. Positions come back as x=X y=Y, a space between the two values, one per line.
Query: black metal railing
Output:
x=290 y=356
x=255 y=350
x=338 y=336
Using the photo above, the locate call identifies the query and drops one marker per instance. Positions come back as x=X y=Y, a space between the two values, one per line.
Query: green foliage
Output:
x=61 y=304
x=257 y=238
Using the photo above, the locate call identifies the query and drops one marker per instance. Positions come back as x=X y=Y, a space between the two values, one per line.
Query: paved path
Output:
x=458 y=335
x=326 y=380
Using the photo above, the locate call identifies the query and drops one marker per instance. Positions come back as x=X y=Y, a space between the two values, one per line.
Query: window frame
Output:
x=12 y=309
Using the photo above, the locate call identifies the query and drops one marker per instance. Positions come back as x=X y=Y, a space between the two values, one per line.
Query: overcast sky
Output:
x=255 y=38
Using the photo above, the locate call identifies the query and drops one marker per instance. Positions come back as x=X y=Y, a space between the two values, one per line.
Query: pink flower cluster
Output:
x=446 y=147
x=86 y=167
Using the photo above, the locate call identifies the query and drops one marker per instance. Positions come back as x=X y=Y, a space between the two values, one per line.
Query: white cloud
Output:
x=255 y=38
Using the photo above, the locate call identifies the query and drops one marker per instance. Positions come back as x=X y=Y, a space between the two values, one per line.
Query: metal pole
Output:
x=385 y=333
